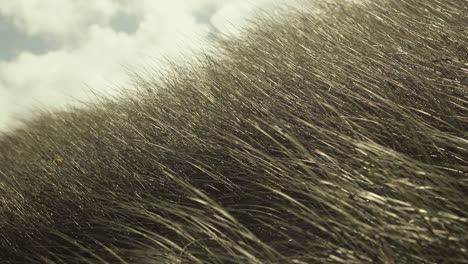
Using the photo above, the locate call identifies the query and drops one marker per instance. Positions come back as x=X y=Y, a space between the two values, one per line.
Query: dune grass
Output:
x=339 y=137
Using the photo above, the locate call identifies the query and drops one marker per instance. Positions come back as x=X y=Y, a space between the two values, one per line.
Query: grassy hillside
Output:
x=332 y=138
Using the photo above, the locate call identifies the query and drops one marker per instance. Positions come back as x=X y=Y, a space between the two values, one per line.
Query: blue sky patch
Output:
x=124 y=22
x=13 y=41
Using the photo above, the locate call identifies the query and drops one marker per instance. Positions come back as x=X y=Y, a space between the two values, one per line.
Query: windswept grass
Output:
x=339 y=137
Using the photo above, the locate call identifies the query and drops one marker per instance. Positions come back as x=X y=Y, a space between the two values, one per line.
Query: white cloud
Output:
x=59 y=19
x=92 y=53
x=232 y=16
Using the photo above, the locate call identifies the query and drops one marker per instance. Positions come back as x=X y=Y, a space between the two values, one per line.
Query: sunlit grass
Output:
x=338 y=137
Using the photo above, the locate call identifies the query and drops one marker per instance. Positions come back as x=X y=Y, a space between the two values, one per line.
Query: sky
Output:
x=53 y=52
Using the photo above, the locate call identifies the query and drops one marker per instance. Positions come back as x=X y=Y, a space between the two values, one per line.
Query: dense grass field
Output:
x=337 y=137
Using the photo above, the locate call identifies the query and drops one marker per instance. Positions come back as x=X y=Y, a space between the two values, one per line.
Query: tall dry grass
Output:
x=339 y=137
